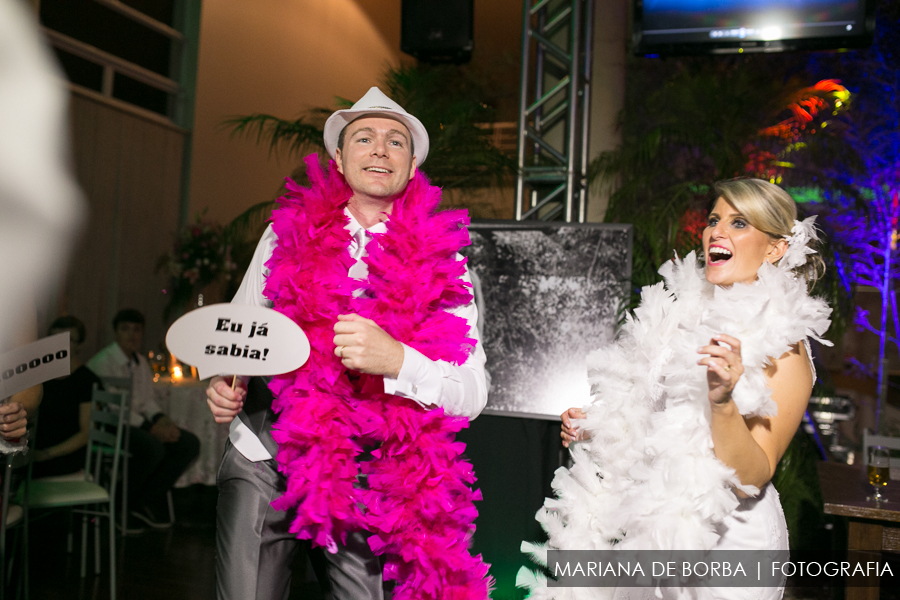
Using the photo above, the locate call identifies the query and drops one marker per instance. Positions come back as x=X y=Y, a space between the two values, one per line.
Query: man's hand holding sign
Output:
x=230 y=339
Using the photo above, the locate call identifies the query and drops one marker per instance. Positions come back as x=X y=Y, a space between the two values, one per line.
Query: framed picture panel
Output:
x=548 y=294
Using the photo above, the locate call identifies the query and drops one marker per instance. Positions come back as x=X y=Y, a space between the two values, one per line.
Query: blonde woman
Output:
x=697 y=401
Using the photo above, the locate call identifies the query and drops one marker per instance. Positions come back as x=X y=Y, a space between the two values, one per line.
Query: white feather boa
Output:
x=647 y=478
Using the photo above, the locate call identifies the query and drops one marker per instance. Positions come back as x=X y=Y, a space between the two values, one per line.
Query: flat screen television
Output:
x=678 y=27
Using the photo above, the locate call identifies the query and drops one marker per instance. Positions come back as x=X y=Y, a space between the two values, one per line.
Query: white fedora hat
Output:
x=375 y=103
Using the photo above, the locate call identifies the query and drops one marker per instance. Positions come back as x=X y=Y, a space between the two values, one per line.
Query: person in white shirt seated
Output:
x=160 y=450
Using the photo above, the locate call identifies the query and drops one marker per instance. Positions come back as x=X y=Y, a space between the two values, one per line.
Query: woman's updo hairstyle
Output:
x=771 y=210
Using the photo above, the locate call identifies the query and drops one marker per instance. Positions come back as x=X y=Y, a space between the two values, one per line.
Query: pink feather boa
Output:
x=419 y=504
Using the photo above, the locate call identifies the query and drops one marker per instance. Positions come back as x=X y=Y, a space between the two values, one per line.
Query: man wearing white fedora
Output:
x=363 y=262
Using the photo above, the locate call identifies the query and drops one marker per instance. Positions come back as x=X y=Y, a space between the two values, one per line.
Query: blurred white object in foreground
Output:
x=41 y=207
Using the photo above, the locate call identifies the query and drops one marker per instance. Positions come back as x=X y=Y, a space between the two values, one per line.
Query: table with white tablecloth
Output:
x=184 y=402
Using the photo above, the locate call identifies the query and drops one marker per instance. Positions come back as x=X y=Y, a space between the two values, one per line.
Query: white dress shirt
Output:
x=460 y=390
x=112 y=362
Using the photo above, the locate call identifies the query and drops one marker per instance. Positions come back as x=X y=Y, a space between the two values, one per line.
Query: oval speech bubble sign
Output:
x=238 y=339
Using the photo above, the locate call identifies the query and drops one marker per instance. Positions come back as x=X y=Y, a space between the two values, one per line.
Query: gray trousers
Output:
x=255 y=549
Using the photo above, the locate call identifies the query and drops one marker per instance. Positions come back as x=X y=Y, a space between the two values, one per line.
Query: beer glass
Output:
x=879 y=471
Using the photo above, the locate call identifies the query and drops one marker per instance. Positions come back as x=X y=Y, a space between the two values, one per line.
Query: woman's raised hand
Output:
x=723 y=366
x=570 y=433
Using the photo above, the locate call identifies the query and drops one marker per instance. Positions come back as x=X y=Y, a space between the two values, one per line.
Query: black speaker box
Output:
x=437 y=31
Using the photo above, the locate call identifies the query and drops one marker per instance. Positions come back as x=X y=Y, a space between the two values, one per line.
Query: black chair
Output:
x=14 y=515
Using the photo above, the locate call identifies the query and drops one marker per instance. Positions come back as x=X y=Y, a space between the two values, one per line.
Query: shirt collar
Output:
x=120 y=356
x=354 y=226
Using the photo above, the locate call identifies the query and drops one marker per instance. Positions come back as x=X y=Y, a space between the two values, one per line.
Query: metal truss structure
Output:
x=554 y=110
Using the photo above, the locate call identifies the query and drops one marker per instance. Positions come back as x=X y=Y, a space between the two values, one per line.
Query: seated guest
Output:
x=65 y=410
x=160 y=450
x=18 y=408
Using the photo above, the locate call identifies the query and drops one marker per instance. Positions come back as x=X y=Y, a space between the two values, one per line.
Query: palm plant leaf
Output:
x=301 y=135
x=461 y=153
x=251 y=222
x=797 y=483
x=241 y=234
x=686 y=125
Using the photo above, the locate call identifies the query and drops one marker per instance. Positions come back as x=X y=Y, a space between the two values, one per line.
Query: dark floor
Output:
x=515 y=460
x=172 y=564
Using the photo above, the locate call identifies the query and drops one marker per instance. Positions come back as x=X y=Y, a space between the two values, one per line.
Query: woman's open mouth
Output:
x=718 y=255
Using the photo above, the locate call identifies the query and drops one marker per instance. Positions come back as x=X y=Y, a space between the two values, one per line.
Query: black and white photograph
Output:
x=551 y=293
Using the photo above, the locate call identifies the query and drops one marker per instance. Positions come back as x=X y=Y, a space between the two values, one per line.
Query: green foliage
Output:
x=461 y=154
x=797 y=481
x=448 y=100
x=450 y=103
x=201 y=255
x=242 y=235
x=688 y=123
x=301 y=135
x=862 y=204
x=683 y=127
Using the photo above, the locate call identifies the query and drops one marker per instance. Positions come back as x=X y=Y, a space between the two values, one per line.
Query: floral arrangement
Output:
x=769 y=155
x=200 y=256
x=690 y=230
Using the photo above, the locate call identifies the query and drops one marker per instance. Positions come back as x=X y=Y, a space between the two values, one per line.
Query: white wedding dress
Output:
x=648 y=479
x=757 y=524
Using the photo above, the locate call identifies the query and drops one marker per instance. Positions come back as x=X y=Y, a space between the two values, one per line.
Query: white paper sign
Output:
x=40 y=361
x=238 y=339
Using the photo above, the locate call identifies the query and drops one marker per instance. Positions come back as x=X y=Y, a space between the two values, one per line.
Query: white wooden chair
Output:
x=123 y=384
x=109 y=417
